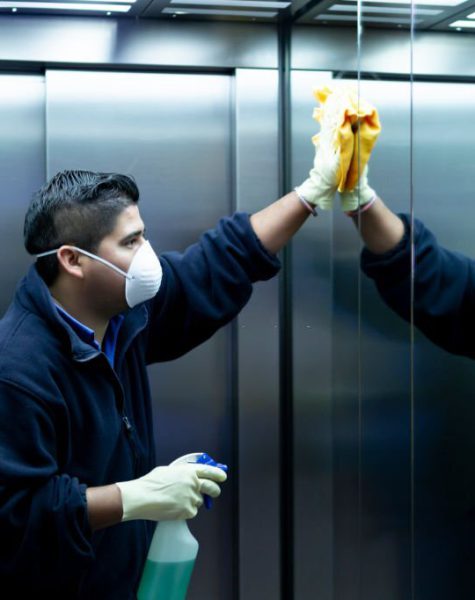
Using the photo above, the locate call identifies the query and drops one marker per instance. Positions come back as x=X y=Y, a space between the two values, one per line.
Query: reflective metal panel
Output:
x=385 y=51
x=172 y=133
x=385 y=366
x=352 y=384
x=107 y=41
x=22 y=169
x=258 y=348
x=444 y=175
x=312 y=352
x=371 y=378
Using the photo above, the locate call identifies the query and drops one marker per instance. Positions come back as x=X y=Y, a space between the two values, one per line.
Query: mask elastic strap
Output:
x=93 y=256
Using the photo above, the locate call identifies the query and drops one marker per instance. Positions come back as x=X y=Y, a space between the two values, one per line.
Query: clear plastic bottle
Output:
x=170 y=562
x=173 y=551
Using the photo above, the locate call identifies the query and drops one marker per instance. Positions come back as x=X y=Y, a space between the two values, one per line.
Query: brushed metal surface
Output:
x=22 y=170
x=444 y=173
x=312 y=298
x=136 y=43
x=384 y=51
x=371 y=378
x=352 y=384
x=258 y=347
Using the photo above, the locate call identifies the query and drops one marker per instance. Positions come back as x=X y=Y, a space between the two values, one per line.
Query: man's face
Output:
x=104 y=286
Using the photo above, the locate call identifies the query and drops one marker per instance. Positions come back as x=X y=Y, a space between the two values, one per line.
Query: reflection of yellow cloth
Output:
x=353 y=126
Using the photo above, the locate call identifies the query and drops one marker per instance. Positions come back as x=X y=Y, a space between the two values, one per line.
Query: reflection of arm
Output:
x=380 y=228
x=444 y=287
x=205 y=287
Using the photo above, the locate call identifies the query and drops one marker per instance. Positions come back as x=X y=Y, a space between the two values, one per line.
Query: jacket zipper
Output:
x=125 y=419
x=129 y=429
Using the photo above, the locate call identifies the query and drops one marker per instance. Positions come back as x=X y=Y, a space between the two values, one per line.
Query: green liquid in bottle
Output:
x=165 y=580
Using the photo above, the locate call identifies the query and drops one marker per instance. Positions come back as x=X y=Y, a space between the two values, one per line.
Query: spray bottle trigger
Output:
x=205 y=459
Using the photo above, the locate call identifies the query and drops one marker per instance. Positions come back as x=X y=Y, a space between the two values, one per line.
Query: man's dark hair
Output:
x=78 y=208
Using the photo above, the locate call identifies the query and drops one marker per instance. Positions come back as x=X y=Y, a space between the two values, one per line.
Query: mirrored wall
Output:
x=443 y=367
x=384 y=384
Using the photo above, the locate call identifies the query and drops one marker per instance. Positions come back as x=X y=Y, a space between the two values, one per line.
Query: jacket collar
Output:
x=34 y=296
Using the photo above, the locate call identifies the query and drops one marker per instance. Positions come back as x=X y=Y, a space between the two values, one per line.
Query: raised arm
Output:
x=277 y=223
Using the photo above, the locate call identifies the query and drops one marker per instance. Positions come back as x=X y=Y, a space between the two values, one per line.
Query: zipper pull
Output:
x=127 y=424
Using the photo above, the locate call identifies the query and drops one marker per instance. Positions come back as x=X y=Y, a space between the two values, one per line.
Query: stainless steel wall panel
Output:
x=22 y=169
x=56 y=39
x=70 y=40
x=172 y=133
x=312 y=296
x=444 y=172
x=352 y=383
x=384 y=51
x=371 y=378
x=100 y=41
x=198 y=44
x=256 y=153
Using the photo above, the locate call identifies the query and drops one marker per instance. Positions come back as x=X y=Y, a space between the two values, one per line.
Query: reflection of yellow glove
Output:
x=361 y=195
x=358 y=131
x=324 y=178
x=349 y=129
x=357 y=128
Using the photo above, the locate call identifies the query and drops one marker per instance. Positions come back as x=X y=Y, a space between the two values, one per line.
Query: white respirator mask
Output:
x=143 y=278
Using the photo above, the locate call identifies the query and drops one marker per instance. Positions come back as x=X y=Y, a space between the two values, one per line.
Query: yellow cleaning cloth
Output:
x=353 y=126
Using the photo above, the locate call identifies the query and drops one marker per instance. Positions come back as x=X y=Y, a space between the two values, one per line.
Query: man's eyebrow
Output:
x=130 y=236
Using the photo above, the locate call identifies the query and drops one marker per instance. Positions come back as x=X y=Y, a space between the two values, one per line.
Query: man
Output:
x=79 y=487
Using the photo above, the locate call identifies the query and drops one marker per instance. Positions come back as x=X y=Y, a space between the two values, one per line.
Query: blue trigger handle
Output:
x=205 y=459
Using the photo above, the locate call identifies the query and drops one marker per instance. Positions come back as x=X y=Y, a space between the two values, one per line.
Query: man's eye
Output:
x=131 y=243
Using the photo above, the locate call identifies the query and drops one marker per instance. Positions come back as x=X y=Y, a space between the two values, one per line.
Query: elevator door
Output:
x=172 y=132
x=22 y=169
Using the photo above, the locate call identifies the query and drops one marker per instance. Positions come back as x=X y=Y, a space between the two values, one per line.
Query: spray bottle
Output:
x=173 y=550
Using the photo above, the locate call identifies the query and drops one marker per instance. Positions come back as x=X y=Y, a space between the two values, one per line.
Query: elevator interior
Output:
x=348 y=434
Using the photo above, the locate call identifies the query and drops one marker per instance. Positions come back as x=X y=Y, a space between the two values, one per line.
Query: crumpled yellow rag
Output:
x=353 y=125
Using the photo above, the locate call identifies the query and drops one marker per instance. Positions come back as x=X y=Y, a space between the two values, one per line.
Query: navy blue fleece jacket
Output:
x=444 y=288
x=62 y=409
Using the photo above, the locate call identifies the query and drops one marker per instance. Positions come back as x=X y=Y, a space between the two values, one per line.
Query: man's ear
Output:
x=71 y=262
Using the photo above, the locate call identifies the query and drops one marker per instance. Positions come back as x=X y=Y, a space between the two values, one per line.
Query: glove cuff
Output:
x=308 y=206
x=357 y=199
x=361 y=208
x=315 y=194
x=128 y=503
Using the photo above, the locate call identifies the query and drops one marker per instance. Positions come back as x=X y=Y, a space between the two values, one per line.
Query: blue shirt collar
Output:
x=84 y=332
x=87 y=335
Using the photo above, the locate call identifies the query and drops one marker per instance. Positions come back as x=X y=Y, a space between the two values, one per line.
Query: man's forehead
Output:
x=129 y=220
x=128 y=223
